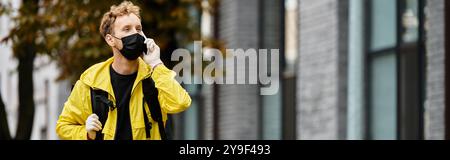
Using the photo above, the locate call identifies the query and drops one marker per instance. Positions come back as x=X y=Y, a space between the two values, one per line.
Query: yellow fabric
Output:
x=172 y=97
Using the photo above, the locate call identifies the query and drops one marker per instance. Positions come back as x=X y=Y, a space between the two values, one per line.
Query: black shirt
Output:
x=122 y=86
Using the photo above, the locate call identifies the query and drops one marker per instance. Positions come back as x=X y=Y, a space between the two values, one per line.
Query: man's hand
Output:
x=93 y=125
x=153 y=53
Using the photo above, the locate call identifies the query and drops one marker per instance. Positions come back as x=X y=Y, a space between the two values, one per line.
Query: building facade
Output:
x=350 y=69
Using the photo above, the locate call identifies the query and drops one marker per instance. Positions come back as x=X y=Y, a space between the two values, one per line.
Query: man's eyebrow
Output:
x=125 y=26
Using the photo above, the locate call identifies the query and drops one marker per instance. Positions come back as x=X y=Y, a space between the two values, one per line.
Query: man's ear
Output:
x=110 y=40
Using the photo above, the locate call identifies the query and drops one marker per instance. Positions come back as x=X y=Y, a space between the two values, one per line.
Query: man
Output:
x=121 y=77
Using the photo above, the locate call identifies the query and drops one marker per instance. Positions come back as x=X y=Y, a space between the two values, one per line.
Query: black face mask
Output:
x=133 y=46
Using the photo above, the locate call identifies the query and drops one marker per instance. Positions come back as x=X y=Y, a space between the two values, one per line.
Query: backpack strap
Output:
x=148 y=125
x=101 y=106
x=151 y=98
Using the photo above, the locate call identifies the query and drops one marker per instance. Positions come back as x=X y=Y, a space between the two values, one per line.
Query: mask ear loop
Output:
x=115 y=37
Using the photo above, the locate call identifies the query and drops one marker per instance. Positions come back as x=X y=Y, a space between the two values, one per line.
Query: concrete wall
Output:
x=435 y=70
x=322 y=69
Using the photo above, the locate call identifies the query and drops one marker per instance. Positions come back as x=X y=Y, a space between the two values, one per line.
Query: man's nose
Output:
x=134 y=31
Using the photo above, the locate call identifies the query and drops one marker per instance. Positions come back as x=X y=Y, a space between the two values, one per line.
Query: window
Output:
x=273 y=37
x=191 y=121
x=383 y=24
x=288 y=72
x=383 y=96
x=382 y=70
x=411 y=68
x=395 y=69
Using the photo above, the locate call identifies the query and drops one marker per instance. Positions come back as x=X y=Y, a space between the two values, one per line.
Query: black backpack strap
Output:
x=151 y=98
x=100 y=106
x=148 y=125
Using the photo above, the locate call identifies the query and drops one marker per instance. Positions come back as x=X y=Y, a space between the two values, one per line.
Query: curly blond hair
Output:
x=124 y=8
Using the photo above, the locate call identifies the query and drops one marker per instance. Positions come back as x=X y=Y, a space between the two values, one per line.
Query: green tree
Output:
x=67 y=31
x=25 y=52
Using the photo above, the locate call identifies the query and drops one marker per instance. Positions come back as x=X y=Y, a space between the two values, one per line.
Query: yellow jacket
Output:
x=172 y=97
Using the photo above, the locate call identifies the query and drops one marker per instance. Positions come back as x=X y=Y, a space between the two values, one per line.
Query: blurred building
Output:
x=372 y=69
x=350 y=69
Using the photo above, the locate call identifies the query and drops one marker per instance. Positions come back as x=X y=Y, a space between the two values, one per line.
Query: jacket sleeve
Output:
x=172 y=97
x=71 y=122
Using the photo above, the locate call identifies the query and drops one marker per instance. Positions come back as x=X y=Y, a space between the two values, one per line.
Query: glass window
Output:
x=272 y=117
x=410 y=21
x=272 y=105
x=383 y=27
x=382 y=62
x=383 y=97
x=411 y=71
x=191 y=115
x=291 y=36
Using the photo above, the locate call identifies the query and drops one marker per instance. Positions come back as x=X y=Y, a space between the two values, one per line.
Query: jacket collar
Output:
x=98 y=76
